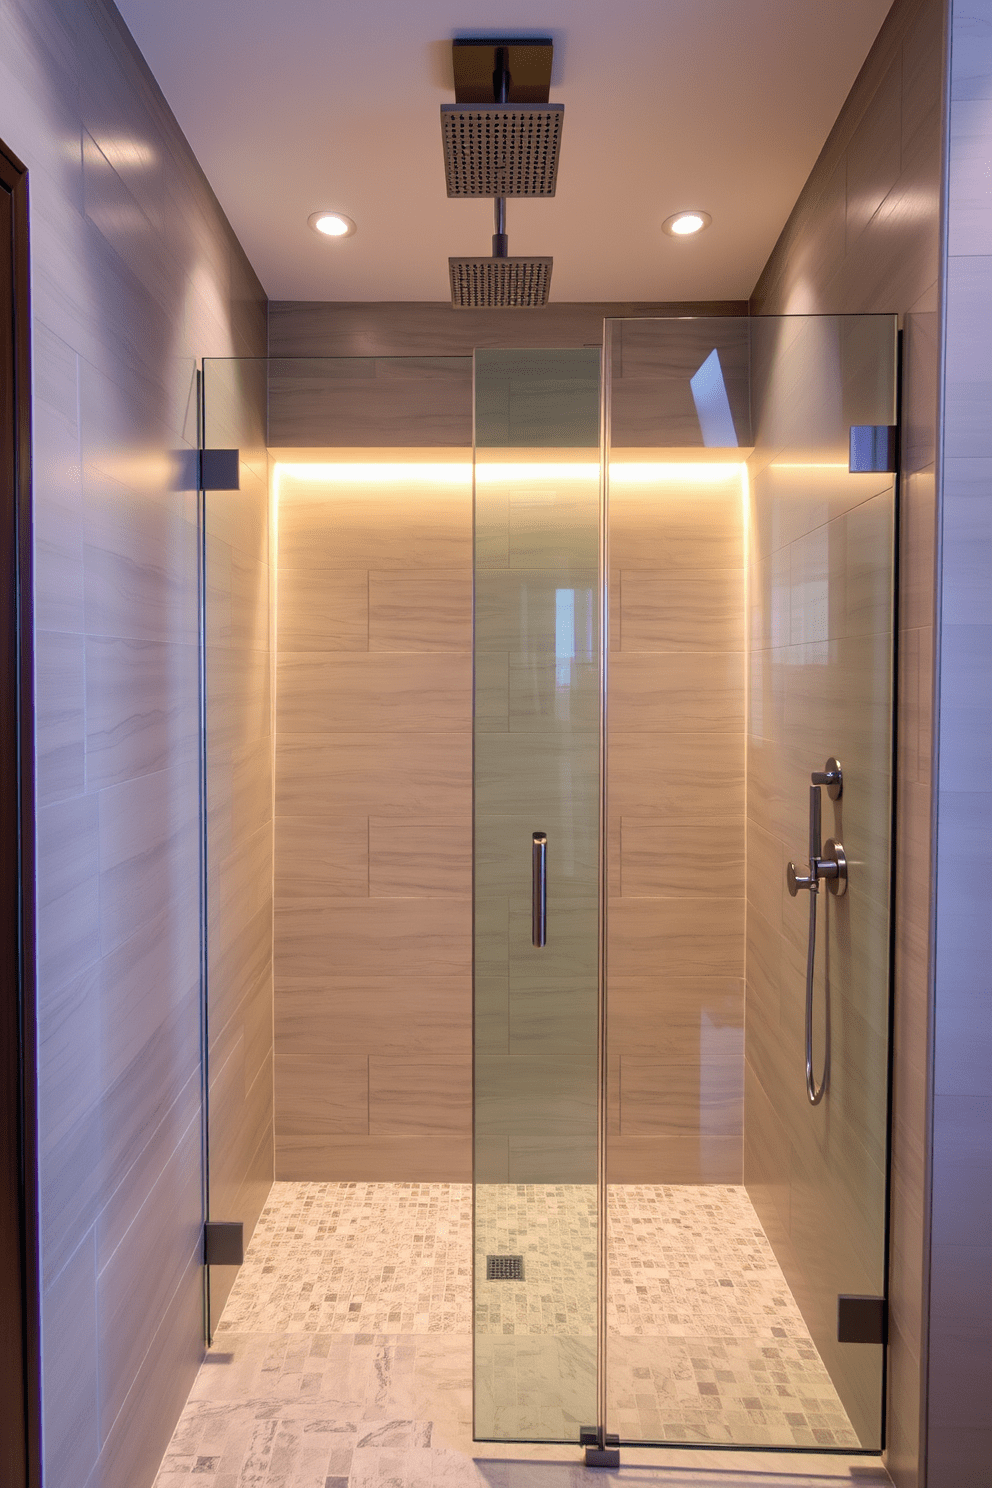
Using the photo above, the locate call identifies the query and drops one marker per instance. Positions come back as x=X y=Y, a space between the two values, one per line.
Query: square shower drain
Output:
x=504 y=1268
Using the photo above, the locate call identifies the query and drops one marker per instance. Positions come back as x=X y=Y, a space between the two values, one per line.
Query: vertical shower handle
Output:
x=814 y=826
x=539 y=890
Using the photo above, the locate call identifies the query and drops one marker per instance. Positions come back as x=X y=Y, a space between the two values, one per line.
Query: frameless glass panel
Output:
x=738 y=1211
x=236 y=765
x=343 y=562
x=536 y=808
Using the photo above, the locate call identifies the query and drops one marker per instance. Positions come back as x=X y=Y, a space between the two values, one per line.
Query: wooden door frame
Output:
x=20 y=1353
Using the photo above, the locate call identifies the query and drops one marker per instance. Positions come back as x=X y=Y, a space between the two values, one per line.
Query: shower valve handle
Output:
x=832 y=776
x=831 y=867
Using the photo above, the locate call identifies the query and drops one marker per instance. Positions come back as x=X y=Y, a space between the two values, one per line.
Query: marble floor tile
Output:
x=343 y=1358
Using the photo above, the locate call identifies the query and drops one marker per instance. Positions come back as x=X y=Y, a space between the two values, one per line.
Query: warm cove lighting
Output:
x=632 y=473
x=638 y=473
x=685 y=224
x=331 y=224
x=359 y=473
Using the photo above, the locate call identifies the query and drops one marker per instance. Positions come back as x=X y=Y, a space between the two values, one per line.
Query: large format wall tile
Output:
x=374 y=774
x=135 y=274
x=342 y=1014
x=863 y=237
x=378 y=936
x=373 y=826
x=394 y=693
x=676 y=755
x=958 y=1431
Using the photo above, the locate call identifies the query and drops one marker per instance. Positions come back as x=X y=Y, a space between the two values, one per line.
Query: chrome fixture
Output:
x=828 y=865
x=539 y=890
x=501 y=138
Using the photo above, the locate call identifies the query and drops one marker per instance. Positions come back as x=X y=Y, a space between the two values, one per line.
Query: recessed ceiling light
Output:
x=331 y=224
x=684 y=224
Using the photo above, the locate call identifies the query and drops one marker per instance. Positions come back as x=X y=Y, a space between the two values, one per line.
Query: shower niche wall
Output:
x=625 y=601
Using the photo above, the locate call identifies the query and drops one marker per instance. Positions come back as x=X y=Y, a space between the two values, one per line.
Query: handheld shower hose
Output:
x=830 y=866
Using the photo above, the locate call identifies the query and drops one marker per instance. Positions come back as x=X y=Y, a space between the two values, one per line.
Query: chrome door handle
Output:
x=539 y=890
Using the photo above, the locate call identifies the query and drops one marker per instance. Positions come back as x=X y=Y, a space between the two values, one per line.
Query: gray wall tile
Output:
x=960 y=1434
x=122 y=223
x=888 y=151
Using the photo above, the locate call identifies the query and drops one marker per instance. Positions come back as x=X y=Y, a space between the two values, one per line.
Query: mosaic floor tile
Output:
x=344 y=1355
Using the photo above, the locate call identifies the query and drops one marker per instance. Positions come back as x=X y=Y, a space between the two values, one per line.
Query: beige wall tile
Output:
x=420 y=610
x=545 y=694
x=492 y=692
x=672 y=861
x=321 y=856
x=374 y=936
x=537 y=1098
x=687 y=776
x=401 y=1014
x=516 y=608
x=427 y=775
x=667 y=1159
x=419 y=860
x=682 y=1100
x=525 y=769
x=335 y=692
x=676 y=526
x=674 y=692
x=410 y=1096
x=424 y=1158
x=321 y=1094
x=491 y=1011
x=677 y=611
x=689 y=937
x=323 y=609
x=364 y=526
x=551 y=1159
x=661 y=1016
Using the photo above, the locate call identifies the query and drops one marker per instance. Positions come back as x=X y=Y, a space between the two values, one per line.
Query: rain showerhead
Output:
x=501 y=138
x=499 y=283
x=495 y=150
x=501 y=135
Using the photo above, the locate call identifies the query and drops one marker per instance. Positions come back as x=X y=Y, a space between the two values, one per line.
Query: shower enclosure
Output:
x=678 y=550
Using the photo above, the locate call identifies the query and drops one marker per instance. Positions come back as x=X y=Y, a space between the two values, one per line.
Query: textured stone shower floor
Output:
x=343 y=1357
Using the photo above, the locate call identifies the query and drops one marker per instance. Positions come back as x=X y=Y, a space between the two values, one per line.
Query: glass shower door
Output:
x=822 y=538
x=537 y=727
x=741 y=1214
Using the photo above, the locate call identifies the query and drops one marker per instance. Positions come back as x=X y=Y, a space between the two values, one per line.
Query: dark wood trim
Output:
x=20 y=1382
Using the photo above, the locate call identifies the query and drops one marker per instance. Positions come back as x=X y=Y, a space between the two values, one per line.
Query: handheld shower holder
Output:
x=827 y=865
x=830 y=862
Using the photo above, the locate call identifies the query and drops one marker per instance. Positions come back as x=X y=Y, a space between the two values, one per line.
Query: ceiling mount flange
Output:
x=527 y=59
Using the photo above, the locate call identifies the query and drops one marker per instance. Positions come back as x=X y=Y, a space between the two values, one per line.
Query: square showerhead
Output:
x=500 y=150
x=499 y=283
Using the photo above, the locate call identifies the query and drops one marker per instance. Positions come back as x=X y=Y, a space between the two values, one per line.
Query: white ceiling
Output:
x=296 y=105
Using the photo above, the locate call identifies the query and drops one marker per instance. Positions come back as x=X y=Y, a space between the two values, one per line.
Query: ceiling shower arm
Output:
x=501 y=93
x=501 y=76
x=501 y=241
